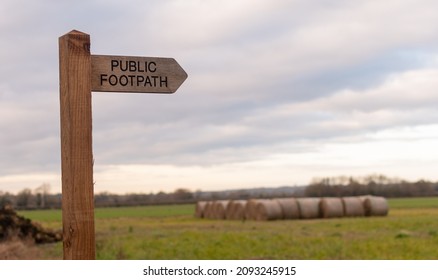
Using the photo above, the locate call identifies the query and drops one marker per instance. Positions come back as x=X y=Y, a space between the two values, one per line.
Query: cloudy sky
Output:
x=279 y=92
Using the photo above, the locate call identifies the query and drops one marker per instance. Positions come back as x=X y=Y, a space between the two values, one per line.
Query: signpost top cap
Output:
x=75 y=32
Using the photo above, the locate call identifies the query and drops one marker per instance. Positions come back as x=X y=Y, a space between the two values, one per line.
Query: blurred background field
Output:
x=410 y=231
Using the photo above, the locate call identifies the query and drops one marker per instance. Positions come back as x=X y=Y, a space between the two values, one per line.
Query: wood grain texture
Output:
x=76 y=146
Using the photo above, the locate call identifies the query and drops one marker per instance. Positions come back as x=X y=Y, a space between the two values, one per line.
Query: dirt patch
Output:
x=19 y=250
x=15 y=227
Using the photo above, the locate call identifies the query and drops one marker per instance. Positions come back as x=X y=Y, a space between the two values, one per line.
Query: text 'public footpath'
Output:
x=138 y=79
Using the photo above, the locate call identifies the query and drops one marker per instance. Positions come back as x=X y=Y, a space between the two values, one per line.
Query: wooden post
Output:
x=76 y=146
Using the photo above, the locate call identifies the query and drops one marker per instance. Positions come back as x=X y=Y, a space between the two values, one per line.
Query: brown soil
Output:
x=15 y=227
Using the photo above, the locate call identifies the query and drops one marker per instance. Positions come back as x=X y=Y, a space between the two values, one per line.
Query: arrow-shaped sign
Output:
x=136 y=74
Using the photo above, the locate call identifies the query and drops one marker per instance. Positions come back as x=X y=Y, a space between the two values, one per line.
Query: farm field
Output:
x=410 y=231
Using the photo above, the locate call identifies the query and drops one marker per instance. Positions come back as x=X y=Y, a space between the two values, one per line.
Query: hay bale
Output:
x=199 y=209
x=289 y=207
x=268 y=210
x=353 y=206
x=250 y=208
x=331 y=207
x=208 y=210
x=236 y=210
x=229 y=210
x=376 y=206
x=219 y=209
x=309 y=207
x=364 y=197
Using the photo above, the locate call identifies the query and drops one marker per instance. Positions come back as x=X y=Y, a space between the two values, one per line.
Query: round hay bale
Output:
x=353 y=206
x=364 y=197
x=331 y=207
x=219 y=209
x=250 y=209
x=376 y=206
x=289 y=207
x=199 y=209
x=236 y=210
x=208 y=210
x=268 y=210
x=309 y=207
x=229 y=210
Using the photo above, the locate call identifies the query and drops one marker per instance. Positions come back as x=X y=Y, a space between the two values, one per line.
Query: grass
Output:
x=145 y=211
x=411 y=203
x=170 y=232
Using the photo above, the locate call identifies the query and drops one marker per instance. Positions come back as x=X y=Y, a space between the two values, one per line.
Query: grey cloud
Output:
x=262 y=79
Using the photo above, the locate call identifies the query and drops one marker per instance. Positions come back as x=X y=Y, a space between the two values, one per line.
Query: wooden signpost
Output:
x=81 y=73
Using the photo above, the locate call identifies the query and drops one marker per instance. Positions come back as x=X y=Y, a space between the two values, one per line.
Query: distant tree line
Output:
x=179 y=196
x=41 y=198
x=380 y=185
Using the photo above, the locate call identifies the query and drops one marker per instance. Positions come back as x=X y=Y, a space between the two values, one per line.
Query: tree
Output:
x=41 y=195
x=24 y=199
x=182 y=195
x=5 y=199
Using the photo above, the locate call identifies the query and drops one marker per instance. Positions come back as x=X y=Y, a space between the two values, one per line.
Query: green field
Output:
x=171 y=232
